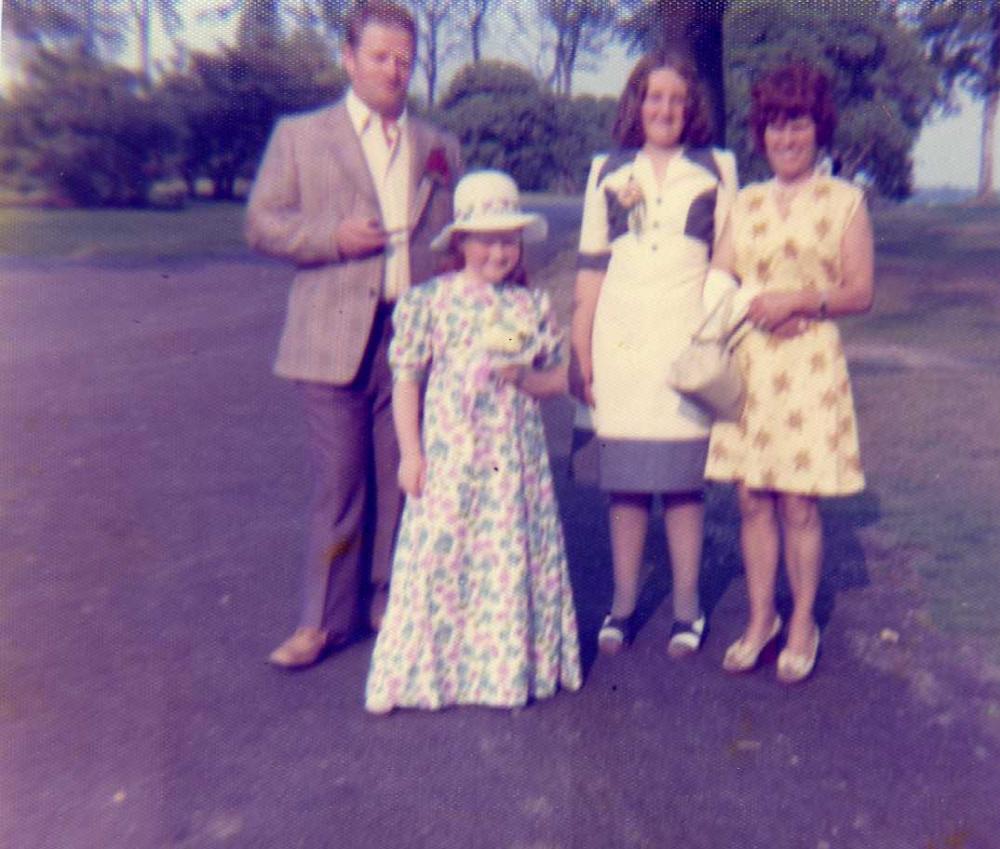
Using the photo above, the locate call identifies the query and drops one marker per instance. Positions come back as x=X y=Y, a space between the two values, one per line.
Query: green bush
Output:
x=505 y=120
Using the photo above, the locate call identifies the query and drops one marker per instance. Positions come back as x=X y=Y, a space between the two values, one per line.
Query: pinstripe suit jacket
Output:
x=313 y=175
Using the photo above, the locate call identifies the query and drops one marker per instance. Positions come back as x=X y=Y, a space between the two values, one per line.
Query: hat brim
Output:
x=534 y=226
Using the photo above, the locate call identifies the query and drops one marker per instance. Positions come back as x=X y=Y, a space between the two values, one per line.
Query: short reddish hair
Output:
x=791 y=91
x=627 y=130
x=384 y=12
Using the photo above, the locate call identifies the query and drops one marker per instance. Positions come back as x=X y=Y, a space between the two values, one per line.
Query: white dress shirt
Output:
x=387 y=151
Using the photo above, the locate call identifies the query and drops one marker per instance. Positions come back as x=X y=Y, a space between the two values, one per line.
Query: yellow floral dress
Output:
x=798 y=432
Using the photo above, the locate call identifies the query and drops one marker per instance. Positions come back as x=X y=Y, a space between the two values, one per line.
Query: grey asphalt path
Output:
x=153 y=479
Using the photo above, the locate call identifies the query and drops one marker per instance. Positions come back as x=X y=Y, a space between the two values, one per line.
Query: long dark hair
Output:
x=627 y=129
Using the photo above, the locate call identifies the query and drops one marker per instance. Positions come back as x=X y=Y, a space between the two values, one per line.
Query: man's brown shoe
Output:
x=303 y=648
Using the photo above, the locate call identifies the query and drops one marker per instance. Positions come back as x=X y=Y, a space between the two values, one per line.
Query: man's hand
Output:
x=359 y=237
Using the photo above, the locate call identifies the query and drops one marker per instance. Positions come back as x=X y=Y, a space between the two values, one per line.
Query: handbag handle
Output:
x=728 y=336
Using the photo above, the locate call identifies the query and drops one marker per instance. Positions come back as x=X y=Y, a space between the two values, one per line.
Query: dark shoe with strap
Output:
x=686 y=637
x=616 y=633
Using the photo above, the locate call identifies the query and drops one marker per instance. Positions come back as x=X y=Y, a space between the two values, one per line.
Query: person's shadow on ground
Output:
x=584 y=513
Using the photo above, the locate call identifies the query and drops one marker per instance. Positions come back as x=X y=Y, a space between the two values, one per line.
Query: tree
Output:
x=694 y=27
x=259 y=24
x=580 y=27
x=963 y=40
x=37 y=19
x=329 y=17
x=143 y=12
x=436 y=40
x=95 y=25
x=883 y=85
x=228 y=102
x=583 y=128
x=475 y=13
x=505 y=120
x=82 y=131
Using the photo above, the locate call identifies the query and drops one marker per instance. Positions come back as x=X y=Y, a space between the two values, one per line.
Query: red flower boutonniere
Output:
x=436 y=168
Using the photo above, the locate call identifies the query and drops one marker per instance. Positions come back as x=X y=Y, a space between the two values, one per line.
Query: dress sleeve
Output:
x=410 y=349
x=550 y=337
x=595 y=249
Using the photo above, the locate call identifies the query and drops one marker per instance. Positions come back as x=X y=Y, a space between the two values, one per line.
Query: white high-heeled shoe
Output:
x=795 y=668
x=743 y=656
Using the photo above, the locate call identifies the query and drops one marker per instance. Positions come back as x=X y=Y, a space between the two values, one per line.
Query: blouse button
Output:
x=659 y=200
x=652 y=247
x=656 y=224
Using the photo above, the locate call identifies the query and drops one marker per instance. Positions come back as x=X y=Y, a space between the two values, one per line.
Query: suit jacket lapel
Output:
x=420 y=147
x=346 y=146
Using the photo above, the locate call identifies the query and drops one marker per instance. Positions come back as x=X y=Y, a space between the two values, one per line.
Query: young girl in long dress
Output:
x=480 y=607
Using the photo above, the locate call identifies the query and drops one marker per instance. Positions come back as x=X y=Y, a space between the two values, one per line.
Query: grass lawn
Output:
x=925 y=364
x=930 y=420
x=202 y=230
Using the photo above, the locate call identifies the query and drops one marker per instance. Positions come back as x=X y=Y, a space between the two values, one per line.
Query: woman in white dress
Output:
x=652 y=211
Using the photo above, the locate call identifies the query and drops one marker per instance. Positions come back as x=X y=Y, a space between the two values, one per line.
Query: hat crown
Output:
x=483 y=195
x=488 y=201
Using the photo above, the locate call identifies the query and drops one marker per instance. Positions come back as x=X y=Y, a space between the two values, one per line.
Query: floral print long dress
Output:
x=480 y=605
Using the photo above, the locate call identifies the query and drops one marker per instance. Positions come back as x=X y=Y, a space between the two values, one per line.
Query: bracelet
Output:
x=821 y=313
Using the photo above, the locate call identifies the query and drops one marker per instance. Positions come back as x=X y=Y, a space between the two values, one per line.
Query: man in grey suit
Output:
x=352 y=195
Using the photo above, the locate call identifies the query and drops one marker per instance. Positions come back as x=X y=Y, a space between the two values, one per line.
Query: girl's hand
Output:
x=581 y=376
x=769 y=310
x=412 y=474
x=508 y=375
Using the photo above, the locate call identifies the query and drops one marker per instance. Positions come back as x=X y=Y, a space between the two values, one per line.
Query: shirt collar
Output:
x=362 y=115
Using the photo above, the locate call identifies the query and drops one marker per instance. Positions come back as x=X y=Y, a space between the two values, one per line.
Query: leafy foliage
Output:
x=505 y=120
x=82 y=131
x=581 y=27
x=228 y=102
x=963 y=41
x=883 y=85
x=94 y=26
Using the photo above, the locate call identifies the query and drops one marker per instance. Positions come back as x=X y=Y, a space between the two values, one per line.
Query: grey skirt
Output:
x=638 y=465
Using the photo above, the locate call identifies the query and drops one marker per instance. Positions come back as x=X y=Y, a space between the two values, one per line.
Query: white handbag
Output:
x=706 y=371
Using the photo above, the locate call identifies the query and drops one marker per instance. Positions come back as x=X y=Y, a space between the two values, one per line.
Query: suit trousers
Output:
x=356 y=500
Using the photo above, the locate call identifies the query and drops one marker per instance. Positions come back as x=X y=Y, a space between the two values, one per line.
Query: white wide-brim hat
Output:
x=489 y=200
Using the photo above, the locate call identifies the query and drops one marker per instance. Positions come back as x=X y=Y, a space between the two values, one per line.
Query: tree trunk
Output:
x=475 y=33
x=90 y=28
x=145 y=24
x=990 y=105
x=695 y=27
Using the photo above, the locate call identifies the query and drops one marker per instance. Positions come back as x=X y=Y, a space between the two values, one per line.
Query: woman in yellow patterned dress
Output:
x=801 y=245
